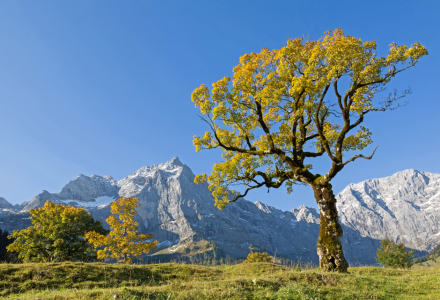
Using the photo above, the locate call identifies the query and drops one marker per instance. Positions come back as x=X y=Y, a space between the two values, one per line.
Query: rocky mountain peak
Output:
x=404 y=206
x=264 y=207
x=175 y=161
x=137 y=181
x=308 y=214
x=4 y=203
x=172 y=167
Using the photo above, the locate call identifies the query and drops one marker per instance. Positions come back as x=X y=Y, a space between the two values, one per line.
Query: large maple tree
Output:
x=283 y=108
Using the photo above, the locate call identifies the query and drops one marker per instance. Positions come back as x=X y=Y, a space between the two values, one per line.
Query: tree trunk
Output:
x=331 y=256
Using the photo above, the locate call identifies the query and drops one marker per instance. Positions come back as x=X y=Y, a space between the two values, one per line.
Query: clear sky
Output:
x=104 y=87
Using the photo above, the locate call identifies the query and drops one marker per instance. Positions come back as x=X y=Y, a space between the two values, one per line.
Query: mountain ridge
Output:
x=404 y=206
x=179 y=212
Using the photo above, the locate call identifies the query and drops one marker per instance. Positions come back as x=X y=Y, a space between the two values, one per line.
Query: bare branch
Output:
x=247 y=190
x=360 y=156
x=387 y=104
x=267 y=182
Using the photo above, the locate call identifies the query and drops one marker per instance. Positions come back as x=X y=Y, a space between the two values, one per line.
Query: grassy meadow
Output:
x=433 y=263
x=183 y=281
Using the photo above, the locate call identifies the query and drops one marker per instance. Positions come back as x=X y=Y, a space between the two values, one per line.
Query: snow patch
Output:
x=175 y=248
x=98 y=203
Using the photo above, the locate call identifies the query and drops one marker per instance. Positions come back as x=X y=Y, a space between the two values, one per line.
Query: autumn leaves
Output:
x=282 y=108
x=123 y=242
x=61 y=232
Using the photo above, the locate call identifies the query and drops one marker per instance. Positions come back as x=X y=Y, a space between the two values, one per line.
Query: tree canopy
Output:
x=123 y=242
x=284 y=107
x=394 y=255
x=276 y=103
x=57 y=234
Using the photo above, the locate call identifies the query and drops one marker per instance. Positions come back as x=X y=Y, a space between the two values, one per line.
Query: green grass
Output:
x=181 y=281
x=433 y=263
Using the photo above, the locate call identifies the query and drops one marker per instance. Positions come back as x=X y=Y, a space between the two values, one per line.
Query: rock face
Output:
x=179 y=212
x=5 y=204
x=176 y=210
x=404 y=207
x=11 y=218
x=83 y=189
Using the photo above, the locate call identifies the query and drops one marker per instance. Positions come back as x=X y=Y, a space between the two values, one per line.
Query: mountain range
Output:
x=181 y=214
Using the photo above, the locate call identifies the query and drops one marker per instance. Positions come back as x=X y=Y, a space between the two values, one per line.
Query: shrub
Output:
x=258 y=257
x=57 y=234
x=394 y=255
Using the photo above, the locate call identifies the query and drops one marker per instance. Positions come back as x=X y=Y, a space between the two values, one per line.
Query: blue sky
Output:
x=103 y=87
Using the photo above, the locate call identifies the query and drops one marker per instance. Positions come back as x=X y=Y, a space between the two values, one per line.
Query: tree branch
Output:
x=264 y=126
x=233 y=148
x=267 y=182
x=360 y=156
x=314 y=154
x=335 y=86
x=319 y=126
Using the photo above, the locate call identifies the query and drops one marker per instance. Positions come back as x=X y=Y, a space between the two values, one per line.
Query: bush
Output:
x=394 y=255
x=258 y=257
x=57 y=234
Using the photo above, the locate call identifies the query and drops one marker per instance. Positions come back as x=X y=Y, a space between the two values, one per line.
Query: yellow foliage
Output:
x=274 y=113
x=258 y=257
x=123 y=242
x=57 y=234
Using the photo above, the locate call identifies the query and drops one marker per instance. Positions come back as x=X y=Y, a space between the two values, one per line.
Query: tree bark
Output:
x=331 y=256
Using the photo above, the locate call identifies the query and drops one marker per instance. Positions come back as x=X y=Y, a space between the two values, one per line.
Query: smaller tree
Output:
x=258 y=257
x=57 y=234
x=394 y=255
x=123 y=242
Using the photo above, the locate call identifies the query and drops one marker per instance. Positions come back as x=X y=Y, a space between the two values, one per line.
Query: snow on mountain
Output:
x=404 y=207
x=134 y=183
x=178 y=212
x=99 y=202
x=304 y=213
x=4 y=204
